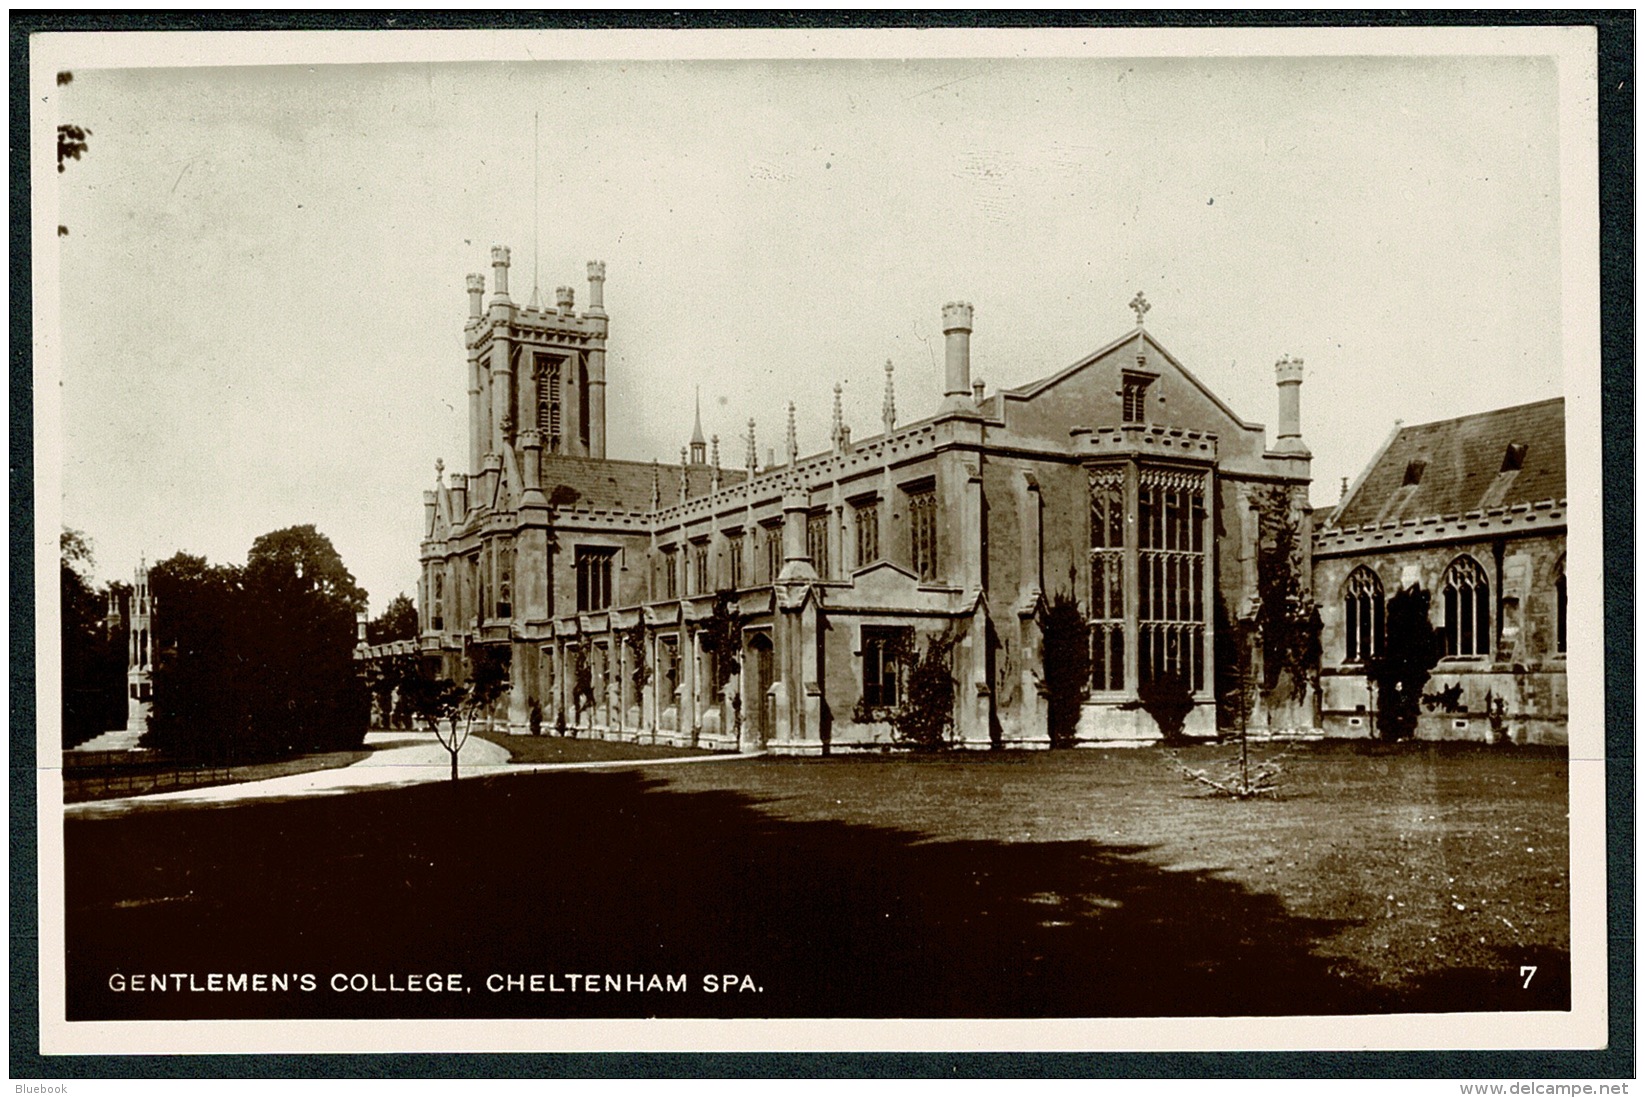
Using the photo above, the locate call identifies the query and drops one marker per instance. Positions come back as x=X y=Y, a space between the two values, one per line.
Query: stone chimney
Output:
x=596 y=287
x=1288 y=436
x=459 y=496
x=499 y=271
x=476 y=293
x=956 y=330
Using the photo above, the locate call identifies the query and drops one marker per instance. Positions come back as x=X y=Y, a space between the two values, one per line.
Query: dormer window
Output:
x=1513 y=459
x=1413 y=472
x=1135 y=395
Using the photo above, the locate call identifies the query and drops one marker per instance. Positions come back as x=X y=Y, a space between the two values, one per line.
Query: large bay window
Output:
x=1149 y=529
x=1107 y=620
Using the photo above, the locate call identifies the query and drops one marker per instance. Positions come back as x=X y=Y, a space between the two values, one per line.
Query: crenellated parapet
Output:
x=1543 y=515
x=1151 y=439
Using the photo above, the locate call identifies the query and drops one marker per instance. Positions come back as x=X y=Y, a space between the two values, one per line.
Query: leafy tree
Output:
x=1411 y=647
x=1065 y=641
x=398 y=621
x=303 y=685
x=94 y=660
x=200 y=708
x=386 y=679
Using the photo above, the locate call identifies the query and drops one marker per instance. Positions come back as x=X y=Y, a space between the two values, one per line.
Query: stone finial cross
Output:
x=1140 y=306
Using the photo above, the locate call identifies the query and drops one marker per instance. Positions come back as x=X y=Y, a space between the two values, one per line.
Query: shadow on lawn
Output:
x=610 y=873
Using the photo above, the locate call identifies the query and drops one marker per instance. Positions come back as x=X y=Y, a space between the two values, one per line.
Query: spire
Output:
x=439 y=472
x=888 y=410
x=697 y=444
x=836 y=434
x=793 y=438
x=753 y=451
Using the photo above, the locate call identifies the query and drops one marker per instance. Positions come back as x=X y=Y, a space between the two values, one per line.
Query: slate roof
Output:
x=622 y=485
x=1462 y=466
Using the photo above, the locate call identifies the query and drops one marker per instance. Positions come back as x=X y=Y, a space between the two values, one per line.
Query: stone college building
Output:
x=605 y=585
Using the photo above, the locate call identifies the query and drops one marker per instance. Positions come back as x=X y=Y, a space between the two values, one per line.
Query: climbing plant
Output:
x=1286 y=613
x=722 y=636
x=926 y=717
x=639 y=667
x=582 y=680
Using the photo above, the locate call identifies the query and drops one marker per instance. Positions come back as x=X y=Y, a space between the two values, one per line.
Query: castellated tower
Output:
x=140 y=653
x=533 y=370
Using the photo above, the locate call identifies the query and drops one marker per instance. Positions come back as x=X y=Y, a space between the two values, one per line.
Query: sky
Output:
x=262 y=282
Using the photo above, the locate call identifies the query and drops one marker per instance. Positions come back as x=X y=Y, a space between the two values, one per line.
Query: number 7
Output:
x=1527 y=971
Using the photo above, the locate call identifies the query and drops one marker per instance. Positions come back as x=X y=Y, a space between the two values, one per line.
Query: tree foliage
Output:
x=398 y=621
x=201 y=707
x=639 y=667
x=1410 y=650
x=1168 y=699
x=258 y=661
x=926 y=716
x=1232 y=679
x=94 y=659
x=722 y=637
x=1067 y=661
x=303 y=684
x=387 y=678
x=71 y=142
x=1286 y=612
x=449 y=710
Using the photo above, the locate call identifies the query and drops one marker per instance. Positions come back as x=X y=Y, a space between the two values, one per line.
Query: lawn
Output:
x=564 y=749
x=95 y=783
x=1089 y=883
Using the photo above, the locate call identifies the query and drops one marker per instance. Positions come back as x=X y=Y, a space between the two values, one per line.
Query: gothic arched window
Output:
x=1467 y=597
x=1362 y=614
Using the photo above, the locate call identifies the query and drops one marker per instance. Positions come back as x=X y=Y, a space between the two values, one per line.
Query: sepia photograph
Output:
x=884 y=539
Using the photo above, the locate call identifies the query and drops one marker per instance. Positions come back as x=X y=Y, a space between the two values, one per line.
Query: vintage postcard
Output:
x=926 y=540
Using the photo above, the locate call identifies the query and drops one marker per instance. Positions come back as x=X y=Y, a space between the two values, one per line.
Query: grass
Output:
x=105 y=782
x=564 y=749
x=1088 y=883
x=1436 y=857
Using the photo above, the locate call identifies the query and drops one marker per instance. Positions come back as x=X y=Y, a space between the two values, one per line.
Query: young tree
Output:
x=450 y=710
x=1411 y=647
